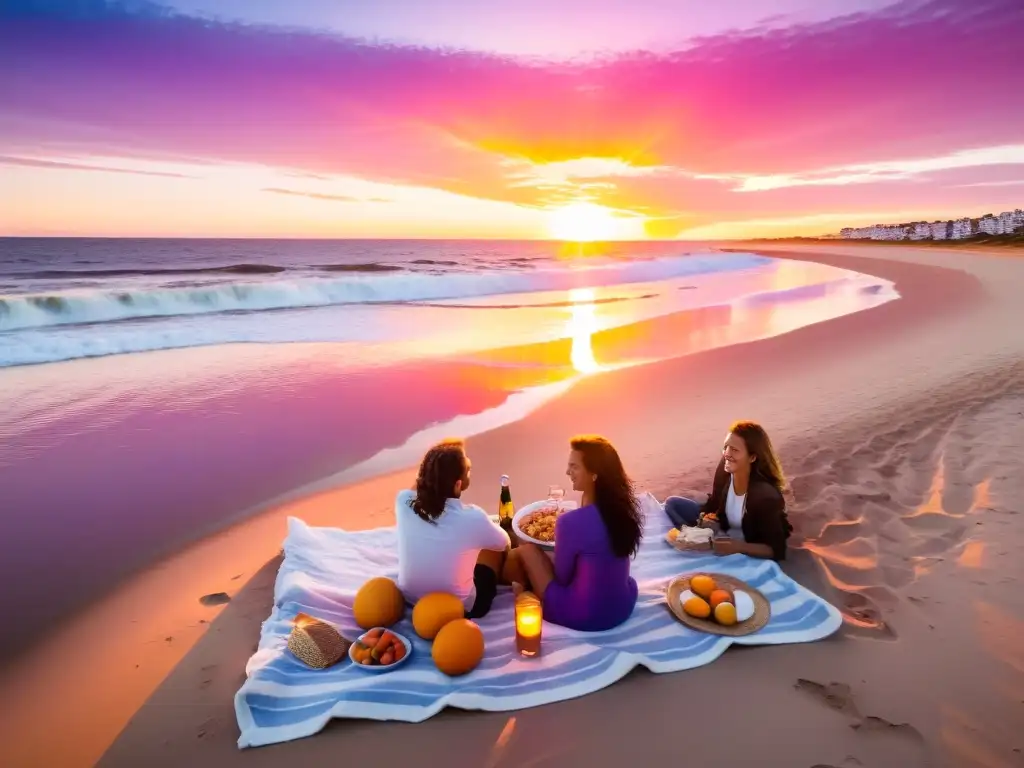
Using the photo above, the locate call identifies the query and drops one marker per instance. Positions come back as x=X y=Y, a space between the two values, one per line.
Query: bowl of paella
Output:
x=535 y=522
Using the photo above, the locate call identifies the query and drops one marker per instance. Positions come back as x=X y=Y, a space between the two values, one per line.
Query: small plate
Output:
x=565 y=505
x=377 y=667
x=685 y=549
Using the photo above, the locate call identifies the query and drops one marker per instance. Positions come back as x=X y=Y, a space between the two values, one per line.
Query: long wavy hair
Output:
x=442 y=466
x=759 y=444
x=614 y=495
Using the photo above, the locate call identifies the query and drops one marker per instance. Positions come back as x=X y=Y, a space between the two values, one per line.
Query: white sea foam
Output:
x=90 y=306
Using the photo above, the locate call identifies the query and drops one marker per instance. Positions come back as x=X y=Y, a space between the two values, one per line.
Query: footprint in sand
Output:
x=215 y=598
x=871 y=724
x=839 y=698
x=877 y=512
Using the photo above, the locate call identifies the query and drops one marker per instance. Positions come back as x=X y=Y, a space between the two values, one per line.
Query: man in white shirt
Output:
x=443 y=544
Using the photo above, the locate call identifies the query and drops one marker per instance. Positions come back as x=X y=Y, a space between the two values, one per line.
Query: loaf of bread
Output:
x=316 y=643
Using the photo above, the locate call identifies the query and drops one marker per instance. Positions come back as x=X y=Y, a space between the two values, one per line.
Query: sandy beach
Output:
x=901 y=430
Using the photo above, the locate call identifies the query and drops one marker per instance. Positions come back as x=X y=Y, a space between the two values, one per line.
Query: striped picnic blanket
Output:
x=282 y=699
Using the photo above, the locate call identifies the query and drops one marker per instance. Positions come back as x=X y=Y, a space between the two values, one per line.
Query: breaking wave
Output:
x=230 y=269
x=89 y=306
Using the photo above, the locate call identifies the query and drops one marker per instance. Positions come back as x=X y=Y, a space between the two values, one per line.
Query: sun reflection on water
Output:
x=582 y=325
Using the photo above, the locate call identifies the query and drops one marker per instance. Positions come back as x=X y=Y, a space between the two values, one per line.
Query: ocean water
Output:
x=62 y=299
x=153 y=392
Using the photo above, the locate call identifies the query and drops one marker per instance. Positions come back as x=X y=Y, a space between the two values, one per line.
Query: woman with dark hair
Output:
x=588 y=587
x=443 y=544
x=745 y=502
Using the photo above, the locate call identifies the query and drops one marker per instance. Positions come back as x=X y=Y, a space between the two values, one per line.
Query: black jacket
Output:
x=764 y=520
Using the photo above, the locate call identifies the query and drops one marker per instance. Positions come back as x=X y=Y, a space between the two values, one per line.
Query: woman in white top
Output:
x=746 y=501
x=443 y=544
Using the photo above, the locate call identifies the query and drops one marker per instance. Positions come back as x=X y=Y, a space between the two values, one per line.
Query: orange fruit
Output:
x=435 y=610
x=378 y=603
x=703 y=585
x=725 y=614
x=697 y=607
x=458 y=647
x=720 y=596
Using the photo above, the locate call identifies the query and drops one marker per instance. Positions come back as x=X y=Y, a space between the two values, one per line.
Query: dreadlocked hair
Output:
x=442 y=466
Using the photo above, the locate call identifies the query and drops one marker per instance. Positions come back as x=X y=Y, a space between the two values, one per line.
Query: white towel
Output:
x=282 y=699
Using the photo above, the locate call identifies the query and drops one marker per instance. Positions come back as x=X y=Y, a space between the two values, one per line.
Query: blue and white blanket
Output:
x=323 y=568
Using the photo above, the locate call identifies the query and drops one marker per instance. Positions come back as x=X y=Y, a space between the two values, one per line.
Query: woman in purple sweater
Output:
x=589 y=587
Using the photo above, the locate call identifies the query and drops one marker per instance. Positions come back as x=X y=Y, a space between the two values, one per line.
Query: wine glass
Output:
x=557 y=494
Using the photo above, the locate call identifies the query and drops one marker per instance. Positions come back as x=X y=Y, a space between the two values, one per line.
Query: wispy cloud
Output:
x=322 y=196
x=873 y=173
x=314 y=176
x=30 y=162
x=1006 y=183
x=579 y=169
x=584 y=179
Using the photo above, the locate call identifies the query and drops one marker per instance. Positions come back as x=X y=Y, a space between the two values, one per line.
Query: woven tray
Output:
x=762 y=608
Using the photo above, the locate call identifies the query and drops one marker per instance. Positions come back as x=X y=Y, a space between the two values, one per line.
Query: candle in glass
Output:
x=529 y=619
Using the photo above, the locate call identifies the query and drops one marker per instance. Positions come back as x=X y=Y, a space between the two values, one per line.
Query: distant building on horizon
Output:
x=988 y=224
x=1010 y=222
x=1005 y=223
x=941 y=229
x=962 y=228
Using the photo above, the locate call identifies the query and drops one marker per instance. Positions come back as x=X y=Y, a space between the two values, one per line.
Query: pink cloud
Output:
x=29 y=162
x=322 y=196
x=917 y=80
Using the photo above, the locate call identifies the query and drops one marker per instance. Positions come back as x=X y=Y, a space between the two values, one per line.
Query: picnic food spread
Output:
x=540 y=524
x=458 y=644
x=711 y=601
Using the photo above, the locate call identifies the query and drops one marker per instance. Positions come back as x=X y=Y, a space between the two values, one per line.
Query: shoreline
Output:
x=990 y=246
x=933 y=302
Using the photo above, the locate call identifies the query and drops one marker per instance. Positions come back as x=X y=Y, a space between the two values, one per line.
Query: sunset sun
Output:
x=586 y=222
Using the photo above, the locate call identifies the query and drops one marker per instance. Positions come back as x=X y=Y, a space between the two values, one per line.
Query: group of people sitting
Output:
x=445 y=545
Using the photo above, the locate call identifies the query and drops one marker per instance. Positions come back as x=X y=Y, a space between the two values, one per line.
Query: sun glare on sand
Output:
x=589 y=222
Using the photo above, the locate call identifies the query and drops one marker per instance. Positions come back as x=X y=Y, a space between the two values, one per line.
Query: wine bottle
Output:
x=505 y=508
